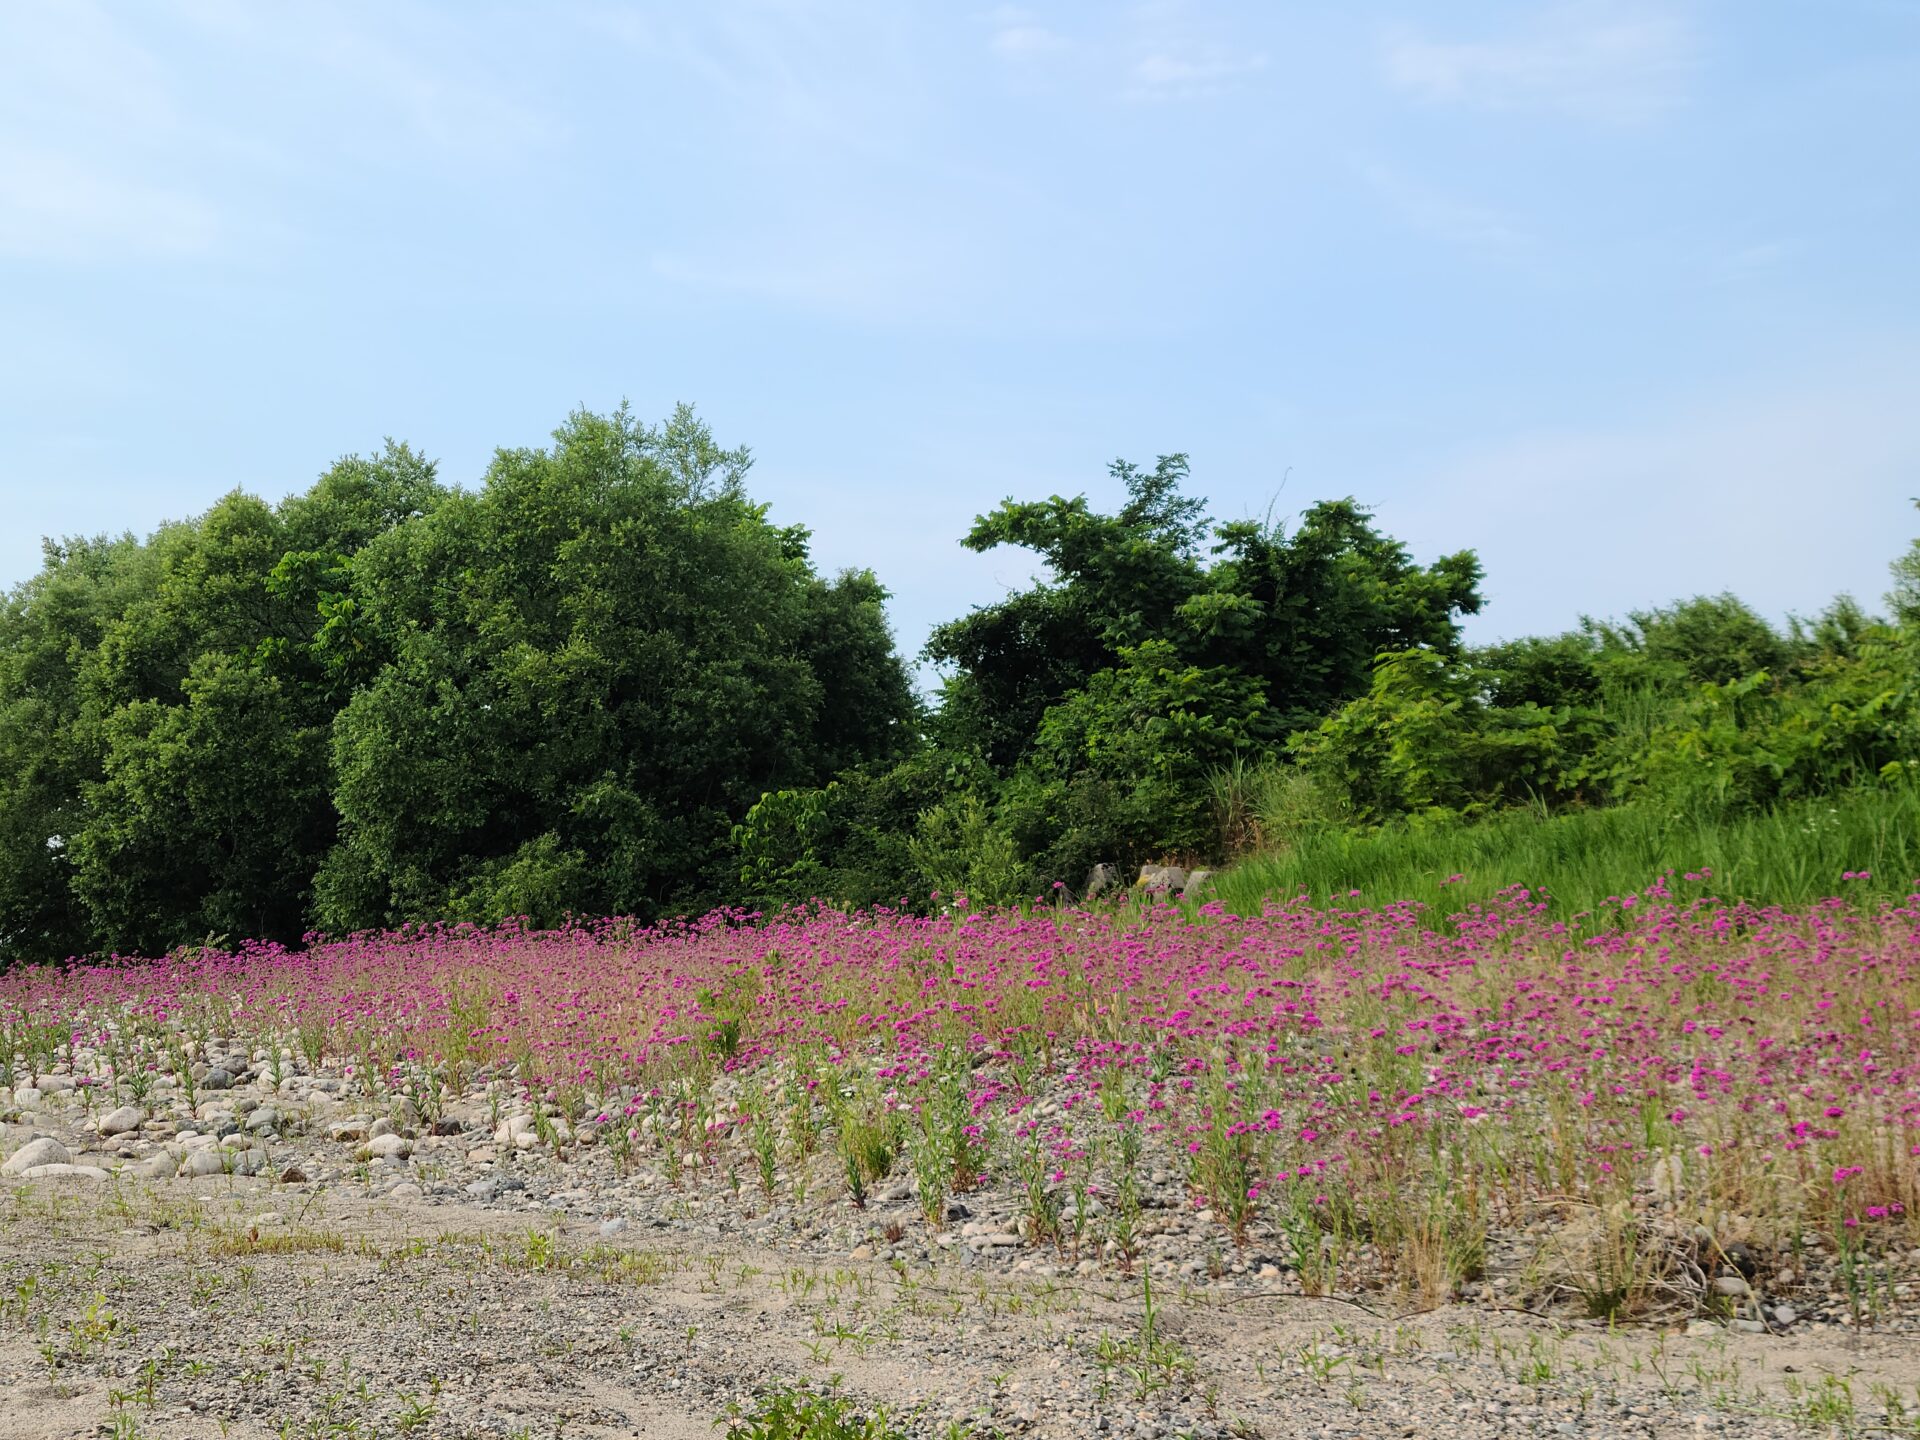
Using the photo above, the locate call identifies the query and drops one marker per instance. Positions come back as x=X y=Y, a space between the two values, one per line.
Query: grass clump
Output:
x=1788 y=855
x=793 y=1413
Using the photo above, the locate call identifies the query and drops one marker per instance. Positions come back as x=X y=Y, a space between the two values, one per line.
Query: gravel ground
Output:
x=280 y=1261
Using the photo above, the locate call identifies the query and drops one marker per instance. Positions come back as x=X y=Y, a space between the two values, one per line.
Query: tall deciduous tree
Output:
x=590 y=669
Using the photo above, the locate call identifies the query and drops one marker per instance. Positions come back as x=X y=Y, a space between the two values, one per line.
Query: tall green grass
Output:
x=1786 y=856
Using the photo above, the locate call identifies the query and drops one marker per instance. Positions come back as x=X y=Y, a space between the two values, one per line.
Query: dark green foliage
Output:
x=1118 y=581
x=1710 y=639
x=385 y=700
x=851 y=840
x=169 y=726
x=1425 y=741
x=1119 y=769
x=49 y=627
x=1104 y=697
x=1309 y=612
x=595 y=665
x=1701 y=704
x=602 y=682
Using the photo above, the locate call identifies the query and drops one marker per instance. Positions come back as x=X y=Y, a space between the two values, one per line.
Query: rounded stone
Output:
x=43 y=1151
x=119 y=1122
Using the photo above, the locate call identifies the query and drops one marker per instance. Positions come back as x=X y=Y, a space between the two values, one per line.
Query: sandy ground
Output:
x=237 y=1308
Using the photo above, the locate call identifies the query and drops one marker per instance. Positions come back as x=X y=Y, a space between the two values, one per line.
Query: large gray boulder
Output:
x=1162 y=879
x=67 y=1172
x=119 y=1122
x=1100 y=879
x=35 y=1153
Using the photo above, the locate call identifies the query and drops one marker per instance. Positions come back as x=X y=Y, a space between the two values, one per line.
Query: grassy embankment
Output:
x=1790 y=855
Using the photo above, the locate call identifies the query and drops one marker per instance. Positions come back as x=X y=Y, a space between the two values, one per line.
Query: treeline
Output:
x=602 y=682
x=389 y=700
x=1185 y=691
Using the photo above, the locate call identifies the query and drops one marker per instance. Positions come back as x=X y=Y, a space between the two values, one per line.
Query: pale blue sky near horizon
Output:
x=1622 y=295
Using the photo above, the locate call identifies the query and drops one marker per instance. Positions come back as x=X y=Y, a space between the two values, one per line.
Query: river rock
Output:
x=1167 y=879
x=73 y=1172
x=119 y=1122
x=44 y=1151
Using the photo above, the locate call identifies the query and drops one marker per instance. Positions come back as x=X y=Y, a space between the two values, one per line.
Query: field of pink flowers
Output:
x=1329 y=1078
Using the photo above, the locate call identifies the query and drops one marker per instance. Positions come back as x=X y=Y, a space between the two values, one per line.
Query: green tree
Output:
x=1308 y=612
x=1710 y=639
x=50 y=743
x=1116 y=580
x=1120 y=768
x=1106 y=693
x=1425 y=742
x=1905 y=595
x=589 y=670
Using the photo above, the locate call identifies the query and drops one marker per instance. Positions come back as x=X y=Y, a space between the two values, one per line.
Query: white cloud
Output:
x=54 y=206
x=86 y=122
x=152 y=132
x=1443 y=216
x=1020 y=35
x=1194 y=74
x=1026 y=42
x=1761 y=258
x=1608 y=63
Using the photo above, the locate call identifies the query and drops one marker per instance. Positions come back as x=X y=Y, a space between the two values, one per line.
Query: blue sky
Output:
x=1624 y=296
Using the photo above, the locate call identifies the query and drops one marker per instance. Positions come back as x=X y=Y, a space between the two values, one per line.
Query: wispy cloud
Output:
x=88 y=122
x=413 y=78
x=1019 y=34
x=111 y=148
x=1443 y=216
x=1607 y=63
x=55 y=206
x=1026 y=41
x=1192 y=74
x=1760 y=258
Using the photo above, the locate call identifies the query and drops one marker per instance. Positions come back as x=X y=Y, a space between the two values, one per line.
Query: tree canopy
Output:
x=603 y=681
x=390 y=700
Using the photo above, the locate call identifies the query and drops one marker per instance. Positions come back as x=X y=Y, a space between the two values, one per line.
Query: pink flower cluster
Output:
x=1344 y=1044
